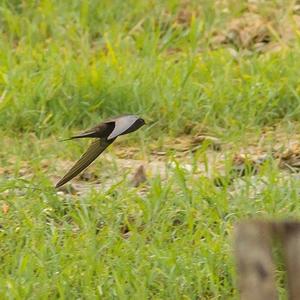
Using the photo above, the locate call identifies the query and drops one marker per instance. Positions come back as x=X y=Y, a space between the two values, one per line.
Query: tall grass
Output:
x=173 y=242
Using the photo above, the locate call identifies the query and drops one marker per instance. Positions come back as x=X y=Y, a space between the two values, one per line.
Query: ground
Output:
x=218 y=85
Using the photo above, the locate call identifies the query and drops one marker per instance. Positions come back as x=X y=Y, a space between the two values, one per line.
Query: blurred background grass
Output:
x=70 y=63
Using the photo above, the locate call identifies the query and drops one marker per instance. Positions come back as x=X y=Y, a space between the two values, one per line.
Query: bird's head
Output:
x=141 y=122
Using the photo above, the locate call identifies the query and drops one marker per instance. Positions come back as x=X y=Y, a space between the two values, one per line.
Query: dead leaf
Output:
x=139 y=176
x=290 y=158
x=173 y=50
x=5 y=208
x=213 y=142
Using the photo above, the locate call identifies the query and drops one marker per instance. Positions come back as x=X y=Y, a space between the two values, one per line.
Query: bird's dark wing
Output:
x=102 y=130
x=95 y=149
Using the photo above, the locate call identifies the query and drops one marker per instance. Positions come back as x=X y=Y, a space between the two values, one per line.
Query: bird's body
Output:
x=104 y=133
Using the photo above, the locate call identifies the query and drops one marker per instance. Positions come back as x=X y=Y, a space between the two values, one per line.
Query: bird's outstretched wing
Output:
x=102 y=130
x=95 y=149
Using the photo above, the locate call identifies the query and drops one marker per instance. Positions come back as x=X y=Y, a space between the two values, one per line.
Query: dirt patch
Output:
x=259 y=31
x=201 y=155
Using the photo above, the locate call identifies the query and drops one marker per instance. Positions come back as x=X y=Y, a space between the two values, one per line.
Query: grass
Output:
x=65 y=65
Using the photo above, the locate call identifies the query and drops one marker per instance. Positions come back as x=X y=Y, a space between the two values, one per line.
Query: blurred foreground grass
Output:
x=65 y=65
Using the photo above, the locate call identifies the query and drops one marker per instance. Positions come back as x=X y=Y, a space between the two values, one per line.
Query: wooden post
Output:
x=255 y=265
x=289 y=233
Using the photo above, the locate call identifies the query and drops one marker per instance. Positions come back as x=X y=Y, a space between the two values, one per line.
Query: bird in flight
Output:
x=104 y=133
